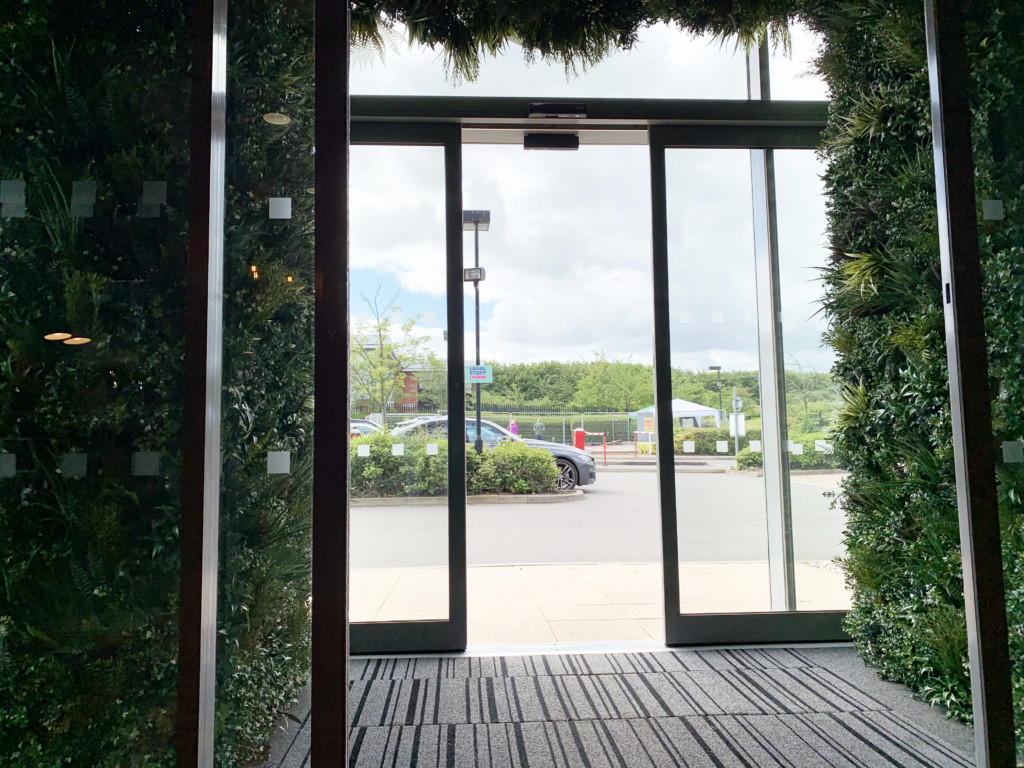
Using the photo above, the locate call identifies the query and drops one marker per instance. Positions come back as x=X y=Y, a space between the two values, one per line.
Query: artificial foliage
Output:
x=88 y=597
x=99 y=92
x=884 y=303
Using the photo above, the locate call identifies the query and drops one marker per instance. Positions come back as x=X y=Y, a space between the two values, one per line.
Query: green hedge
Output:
x=809 y=459
x=510 y=467
x=705 y=440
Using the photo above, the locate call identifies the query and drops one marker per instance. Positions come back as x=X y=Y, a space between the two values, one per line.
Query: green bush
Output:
x=809 y=459
x=705 y=440
x=510 y=467
x=521 y=469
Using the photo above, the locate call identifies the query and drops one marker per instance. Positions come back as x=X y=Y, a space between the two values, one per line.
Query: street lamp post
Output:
x=476 y=221
x=721 y=411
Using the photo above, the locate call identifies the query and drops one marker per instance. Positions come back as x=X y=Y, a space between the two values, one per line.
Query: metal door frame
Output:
x=449 y=634
x=786 y=624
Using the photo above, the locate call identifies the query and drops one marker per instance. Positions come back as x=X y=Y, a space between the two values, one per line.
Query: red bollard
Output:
x=579 y=438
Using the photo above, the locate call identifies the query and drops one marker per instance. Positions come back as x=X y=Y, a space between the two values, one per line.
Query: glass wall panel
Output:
x=811 y=394
x=399 y=466
x=793 y=76
x=94 y=169
x=665 y=63
x=723 y=546
x=263 y=653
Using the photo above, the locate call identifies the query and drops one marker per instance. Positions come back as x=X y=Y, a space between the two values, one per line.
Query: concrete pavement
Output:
x=591 y=570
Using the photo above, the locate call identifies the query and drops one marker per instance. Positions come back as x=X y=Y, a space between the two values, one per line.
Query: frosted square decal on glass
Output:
x=689 y=446
x=787 y=446
x=147 y=211
x=8 y=464
x=431 y=449
x=280 y=207
x=398 y=449
x=13 y=210
x=12 y=199
x=12 y=191
x=154 y=192
x=798 y=449
x=1013 y=452
x=992 y=210
x=362 y=450
x=755 y=446
x=718 y=317
x=83 y=199
x=722 y=446
x=74 y=465
x=823 y=446
x=146 y=463
x=279 y=462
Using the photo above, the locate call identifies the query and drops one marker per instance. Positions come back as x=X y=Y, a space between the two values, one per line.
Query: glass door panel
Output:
x=811 y=395
x=732 y=512
x=722 y=525
x=405 y=510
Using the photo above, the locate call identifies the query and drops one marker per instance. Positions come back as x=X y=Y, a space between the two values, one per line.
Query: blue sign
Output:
x=479 y=374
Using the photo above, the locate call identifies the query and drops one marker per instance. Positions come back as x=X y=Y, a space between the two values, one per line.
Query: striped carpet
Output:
x=764 y=708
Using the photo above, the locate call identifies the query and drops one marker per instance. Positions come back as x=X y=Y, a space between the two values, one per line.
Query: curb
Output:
x=563 y=497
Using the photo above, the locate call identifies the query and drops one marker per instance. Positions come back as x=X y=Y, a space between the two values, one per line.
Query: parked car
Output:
x=360 y=427
x=575 y=467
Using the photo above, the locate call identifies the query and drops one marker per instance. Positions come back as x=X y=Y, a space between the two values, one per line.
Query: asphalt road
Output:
x=721 y=518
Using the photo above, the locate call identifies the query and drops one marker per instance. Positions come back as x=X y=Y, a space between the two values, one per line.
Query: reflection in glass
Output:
x=399 y=565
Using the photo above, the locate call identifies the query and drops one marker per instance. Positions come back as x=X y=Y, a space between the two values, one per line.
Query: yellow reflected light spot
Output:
x=277 y=118
x=57 y=336
x=77 y=340
x=289 y=278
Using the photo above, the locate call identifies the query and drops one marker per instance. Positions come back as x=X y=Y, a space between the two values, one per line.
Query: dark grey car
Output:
x=575 y=467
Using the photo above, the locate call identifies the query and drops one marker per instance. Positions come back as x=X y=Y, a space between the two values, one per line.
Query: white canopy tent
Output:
x=682 y=409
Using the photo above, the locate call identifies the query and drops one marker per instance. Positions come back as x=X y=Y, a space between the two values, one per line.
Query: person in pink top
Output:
x=513 y=427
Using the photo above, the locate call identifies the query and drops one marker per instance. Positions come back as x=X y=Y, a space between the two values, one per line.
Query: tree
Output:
x=615 y=385
x=383 y=352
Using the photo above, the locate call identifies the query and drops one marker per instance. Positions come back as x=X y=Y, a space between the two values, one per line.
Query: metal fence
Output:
x=558 y=425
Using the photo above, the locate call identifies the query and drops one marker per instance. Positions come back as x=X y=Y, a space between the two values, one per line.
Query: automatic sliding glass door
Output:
x=735 y=496
x=408 y=505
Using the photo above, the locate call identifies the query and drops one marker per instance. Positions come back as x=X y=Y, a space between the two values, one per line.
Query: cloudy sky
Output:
x=568 y=252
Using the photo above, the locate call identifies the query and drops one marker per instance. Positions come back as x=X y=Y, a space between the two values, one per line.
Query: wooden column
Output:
x=329 y=748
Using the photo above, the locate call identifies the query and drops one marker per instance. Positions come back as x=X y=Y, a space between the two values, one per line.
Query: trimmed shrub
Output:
x=510 y=467
x=519 y=468
x=809 y=459
x=705 y=440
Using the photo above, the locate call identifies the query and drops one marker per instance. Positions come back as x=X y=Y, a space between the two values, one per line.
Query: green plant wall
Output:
x=88 y=596
x=99 y=92
x=884 y=304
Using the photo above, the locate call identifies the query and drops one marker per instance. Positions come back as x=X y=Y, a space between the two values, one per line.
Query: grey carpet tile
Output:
x=612 y=696
x=764 y=741
x=574 y=664
x=770 y=708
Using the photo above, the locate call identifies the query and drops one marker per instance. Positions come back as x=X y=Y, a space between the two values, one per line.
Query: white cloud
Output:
x=568 y=254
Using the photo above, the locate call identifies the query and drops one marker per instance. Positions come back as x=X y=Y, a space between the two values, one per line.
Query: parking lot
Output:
x=721 y=518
